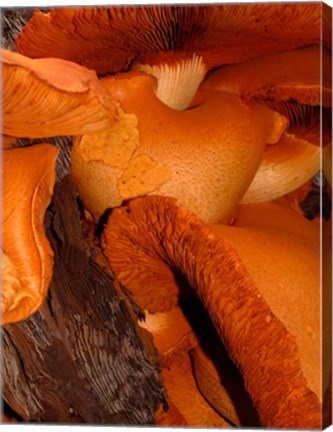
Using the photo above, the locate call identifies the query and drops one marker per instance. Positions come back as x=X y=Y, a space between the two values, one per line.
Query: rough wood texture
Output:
x=80 y=358
x=12 y=21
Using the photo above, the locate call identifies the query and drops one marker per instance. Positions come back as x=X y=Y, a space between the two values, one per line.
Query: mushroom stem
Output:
x=178 y=79
x=257 y=341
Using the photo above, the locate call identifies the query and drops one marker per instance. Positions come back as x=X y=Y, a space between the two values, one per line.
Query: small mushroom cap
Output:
x=270 y=356
x=293 y=75
x=184 y=394
x=172 y=334
x=108 y=39
x=284 y=168
x=221 y=384
x=27 y=255
x=49 y=97
x=206 y=156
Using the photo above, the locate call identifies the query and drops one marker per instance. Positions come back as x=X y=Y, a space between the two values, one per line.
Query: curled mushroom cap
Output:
x=177 y=44
x=154 y=231
x=205 y=156
x=27 y=258
x=289 y=82
x=48 y=97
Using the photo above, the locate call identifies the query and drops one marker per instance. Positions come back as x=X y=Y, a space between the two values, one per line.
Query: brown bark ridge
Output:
x=80 y=358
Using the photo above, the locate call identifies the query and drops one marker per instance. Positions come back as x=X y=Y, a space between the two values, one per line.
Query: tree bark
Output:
x=81 y=357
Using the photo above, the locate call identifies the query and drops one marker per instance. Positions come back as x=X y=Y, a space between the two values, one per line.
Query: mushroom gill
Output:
x=27 y=258
x=290 y=83
x=259 y=329
x=168 y=41
x=48 y=97
x=205 y=156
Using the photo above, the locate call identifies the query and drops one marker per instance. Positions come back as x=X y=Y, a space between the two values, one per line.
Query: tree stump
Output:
x=80 y=358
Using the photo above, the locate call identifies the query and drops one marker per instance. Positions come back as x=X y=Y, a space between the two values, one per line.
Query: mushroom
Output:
x=174 y=337
x=48 y=97
x=176 y=44
x=184 y=395
x=27 y=258
x=221 y=384
x=289 y=82
x=266 y=333
x=206 y=156
x=172 y=341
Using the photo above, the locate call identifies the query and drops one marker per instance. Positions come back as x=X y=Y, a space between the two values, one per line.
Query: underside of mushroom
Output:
x=154 y=233
x=48 y=97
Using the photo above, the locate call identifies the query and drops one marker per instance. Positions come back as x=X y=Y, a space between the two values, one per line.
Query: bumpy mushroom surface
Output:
x=177 y=44
x=289 y=82
x=27 y=258
x=153 y=232
x=52 y=97
x=205 y=156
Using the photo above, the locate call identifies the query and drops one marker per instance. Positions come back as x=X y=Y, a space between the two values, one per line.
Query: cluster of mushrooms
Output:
x=199 y=126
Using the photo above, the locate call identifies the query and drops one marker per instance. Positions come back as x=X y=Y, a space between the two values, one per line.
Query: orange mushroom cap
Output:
x=293 y=75
x=107 y=39
x=172 y=334
x=205 y=157
x=49 y=97
x=289 y=82
x=187 y=403
x=286 y=270
x=220 y=383
x=155 y=230
x=27 y=258
x=176 y=44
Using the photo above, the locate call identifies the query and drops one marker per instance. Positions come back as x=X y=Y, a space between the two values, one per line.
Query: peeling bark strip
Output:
x=80 y=358
x=153 y=231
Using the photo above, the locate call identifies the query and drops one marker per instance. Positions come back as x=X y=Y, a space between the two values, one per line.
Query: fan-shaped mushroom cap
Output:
x=27 y=258
x=154 y=231
x=169 y=41
x=48 y=97
x=205 y=157
x=107 y=39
